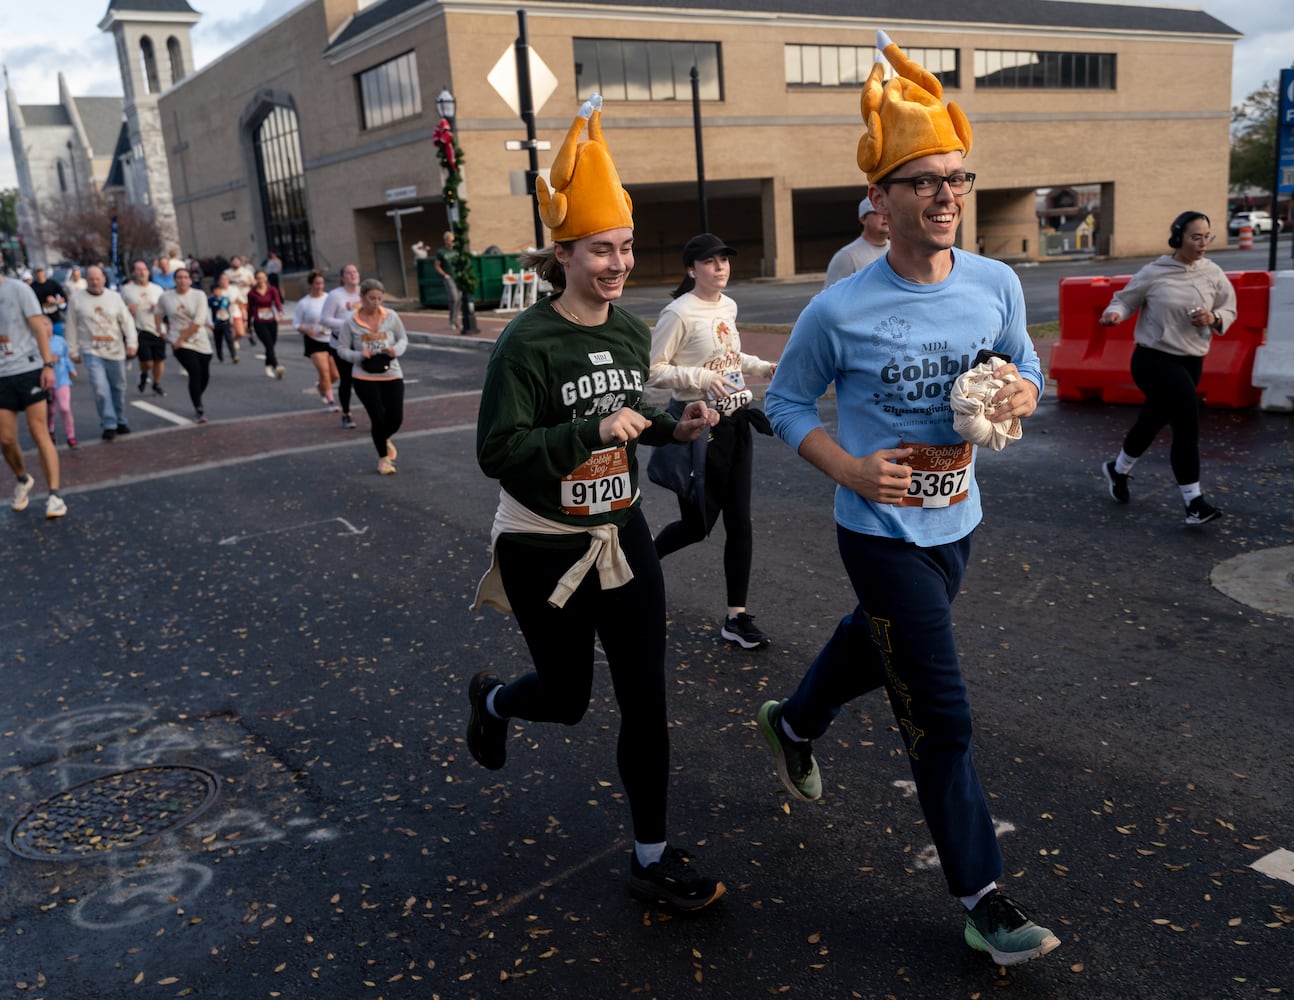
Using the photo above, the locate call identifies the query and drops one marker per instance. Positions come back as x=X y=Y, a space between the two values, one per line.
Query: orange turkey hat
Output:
x=905 y=118
x=586 y=195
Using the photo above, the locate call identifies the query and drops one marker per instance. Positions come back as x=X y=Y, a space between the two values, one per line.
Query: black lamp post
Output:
x=451 y=158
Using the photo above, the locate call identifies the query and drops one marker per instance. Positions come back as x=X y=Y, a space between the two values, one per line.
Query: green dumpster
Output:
x=488 y=270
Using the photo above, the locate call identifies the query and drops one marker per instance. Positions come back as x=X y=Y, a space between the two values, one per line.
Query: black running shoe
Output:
x=143 y=380
x=487 y=737
x=123 y=430
x=672 y=882
x=1118 y=483
x=157 y=388
x=742 y=630
x=1200 y=511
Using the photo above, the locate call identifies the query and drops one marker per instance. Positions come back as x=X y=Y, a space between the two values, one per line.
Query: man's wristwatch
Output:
x=49 y=364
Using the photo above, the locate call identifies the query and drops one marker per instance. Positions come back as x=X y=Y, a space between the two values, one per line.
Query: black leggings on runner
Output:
x=345 y=376
x=1169 y=382
x=383 y=401
x=223 y=336
x=268 y=332
x=198 y=367
x=727 y=487
x=630 y=621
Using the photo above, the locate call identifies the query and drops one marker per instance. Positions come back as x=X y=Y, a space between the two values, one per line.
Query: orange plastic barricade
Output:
x=1246 y=238
x=1092 y=361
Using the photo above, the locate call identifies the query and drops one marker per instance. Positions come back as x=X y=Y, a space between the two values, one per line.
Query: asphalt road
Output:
x=243 y=624
x=780 y=301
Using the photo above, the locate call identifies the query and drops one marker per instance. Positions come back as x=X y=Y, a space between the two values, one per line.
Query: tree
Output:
x=1253 y=139
x=81 y=228
x=9 y=227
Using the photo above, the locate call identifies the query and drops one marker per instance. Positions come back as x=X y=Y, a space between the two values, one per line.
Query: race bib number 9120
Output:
x=599 y=485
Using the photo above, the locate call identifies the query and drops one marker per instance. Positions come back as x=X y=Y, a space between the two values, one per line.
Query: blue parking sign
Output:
x=1285 y=134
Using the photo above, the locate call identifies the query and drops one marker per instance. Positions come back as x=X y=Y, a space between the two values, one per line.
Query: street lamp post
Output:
x=451 y=158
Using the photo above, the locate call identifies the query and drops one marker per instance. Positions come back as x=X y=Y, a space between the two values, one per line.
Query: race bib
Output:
x=941 y=473
x=738 y=395
x=265 y=315
x=599 y=485
x=222 y=314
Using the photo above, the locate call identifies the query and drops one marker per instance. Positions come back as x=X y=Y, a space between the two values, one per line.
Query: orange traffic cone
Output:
x=1246 y=238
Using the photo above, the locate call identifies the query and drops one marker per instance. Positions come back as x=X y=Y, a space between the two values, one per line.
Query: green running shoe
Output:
x=999 y=927
x=795 y=764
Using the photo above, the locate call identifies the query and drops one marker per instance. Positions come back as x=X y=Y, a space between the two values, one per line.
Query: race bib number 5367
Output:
x=599 y=485
x=941 y=474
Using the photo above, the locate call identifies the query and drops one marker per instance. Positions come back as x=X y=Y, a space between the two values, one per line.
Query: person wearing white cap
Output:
x=872 y=242
x=894 y=339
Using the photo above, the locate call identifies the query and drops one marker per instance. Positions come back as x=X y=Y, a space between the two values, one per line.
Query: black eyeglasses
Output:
x=928 y=185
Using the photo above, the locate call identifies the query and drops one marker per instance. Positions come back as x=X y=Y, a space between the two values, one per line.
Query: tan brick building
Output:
x=306 y=136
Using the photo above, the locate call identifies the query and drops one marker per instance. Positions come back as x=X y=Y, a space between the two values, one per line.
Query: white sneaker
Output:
x=22 y=491
x=54 y=507
x=269 y=372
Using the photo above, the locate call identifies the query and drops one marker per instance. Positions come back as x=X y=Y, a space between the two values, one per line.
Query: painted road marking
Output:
x=350 y=530
x=157 y=411
x=1279 y=864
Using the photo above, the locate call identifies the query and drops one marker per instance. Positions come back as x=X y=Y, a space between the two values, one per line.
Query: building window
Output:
x=282 y=182
x=1044 y=70
x=149 y=60
x=389 y=92
x=632 y=70
x=176 y=55
x=848 y=65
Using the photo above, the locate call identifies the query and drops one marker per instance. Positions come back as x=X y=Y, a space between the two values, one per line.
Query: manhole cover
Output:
x=114 y=812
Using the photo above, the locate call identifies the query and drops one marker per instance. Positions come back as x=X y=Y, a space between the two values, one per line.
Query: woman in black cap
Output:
x=696 y=354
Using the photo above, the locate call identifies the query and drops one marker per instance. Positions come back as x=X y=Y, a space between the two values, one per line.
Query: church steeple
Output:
x=154 y=53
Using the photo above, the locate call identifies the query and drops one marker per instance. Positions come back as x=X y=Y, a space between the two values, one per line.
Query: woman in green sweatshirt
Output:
x=561 y=417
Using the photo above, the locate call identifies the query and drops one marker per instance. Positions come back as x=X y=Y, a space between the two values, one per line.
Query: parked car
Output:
x=1260 y=222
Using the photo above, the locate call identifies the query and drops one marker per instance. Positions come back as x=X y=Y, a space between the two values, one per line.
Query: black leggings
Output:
x=1169 y=382
x=198 y=367
x=630 y=621
x=344 y=378
x=727 y=485
x=383 y=401
x=223 y=335
x=268 y=331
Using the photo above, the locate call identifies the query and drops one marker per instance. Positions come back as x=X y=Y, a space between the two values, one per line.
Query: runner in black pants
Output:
x=266 y=308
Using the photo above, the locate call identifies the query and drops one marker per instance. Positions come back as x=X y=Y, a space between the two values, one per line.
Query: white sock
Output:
x=795 y=737
x=970 y=901
x=648 y=854
x=1190 y=491
x=1124 y=463
x=489 y=702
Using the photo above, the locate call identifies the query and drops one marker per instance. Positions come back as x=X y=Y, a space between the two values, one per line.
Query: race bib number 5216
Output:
x=599 y=485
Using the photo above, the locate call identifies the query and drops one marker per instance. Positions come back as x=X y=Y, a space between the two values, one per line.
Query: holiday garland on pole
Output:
x=450 y=154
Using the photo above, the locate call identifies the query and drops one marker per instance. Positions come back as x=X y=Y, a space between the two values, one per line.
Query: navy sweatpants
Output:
x=900 y=636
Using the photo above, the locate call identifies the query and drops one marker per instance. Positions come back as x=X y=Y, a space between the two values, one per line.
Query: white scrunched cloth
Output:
x=971 y=407
x=604 y=553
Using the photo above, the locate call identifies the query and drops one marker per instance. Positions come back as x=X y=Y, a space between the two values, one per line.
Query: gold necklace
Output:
x=566 y=309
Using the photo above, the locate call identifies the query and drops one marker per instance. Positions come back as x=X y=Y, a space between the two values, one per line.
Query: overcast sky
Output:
x=34 y=50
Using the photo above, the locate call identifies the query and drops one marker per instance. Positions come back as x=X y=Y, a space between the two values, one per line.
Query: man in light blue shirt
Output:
x=893 y=339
